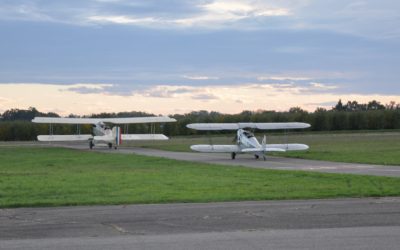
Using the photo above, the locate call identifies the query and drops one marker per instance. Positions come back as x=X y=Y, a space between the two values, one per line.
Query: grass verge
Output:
x=55 y=177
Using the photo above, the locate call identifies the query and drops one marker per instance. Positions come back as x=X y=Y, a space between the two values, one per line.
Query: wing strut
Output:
x=51 y=131
x=78 y=129
x=126 y=129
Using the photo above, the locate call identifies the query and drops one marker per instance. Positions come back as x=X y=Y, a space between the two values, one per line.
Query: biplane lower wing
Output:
x=64 y=137
x=236 y=149
x=143 y=137
x=262 y=150
x=216 y=148
x=288 y=147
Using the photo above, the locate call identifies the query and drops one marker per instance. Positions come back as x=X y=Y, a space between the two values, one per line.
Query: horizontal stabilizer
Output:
x=127 y=120
x=215 y=148
x=236 y=126
x=64 y=137
x=143 y=137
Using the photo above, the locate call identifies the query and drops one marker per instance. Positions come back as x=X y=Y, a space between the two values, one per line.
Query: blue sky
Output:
x=175 y=52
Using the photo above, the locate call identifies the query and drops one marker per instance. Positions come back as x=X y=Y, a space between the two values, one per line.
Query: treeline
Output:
x=15 y=123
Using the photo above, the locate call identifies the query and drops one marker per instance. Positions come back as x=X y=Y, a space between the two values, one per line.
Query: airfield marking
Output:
x=118 y=228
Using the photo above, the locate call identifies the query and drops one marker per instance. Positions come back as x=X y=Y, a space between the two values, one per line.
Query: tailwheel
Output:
x=233 y=155
x=109 y=145
x=91 y=144
x=256 y=156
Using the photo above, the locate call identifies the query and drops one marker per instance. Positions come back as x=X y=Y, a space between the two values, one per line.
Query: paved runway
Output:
x=312 y=224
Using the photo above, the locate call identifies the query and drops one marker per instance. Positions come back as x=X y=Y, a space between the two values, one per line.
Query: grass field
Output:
x=367 y=147
x=55 y=176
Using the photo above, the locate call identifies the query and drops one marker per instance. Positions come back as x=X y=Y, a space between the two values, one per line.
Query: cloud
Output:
x=205 y=97
x=198 y=77
x=124 y=20
x=207 y=15
x=24 y=11
x=179 y=92
x=370 y=18
x=283 y=78
x=221 y=98
x=243 y=9
x=322 y=86
x=88 y=88
x=165 y=91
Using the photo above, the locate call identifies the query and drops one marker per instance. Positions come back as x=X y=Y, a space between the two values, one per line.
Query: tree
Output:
x=374 y=105
x=339 y=106
x=320 y=121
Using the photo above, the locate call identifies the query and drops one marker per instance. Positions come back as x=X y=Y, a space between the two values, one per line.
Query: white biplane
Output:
x=246 y=142
x=102 y=133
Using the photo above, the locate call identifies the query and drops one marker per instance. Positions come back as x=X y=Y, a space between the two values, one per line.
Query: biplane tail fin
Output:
x=117 y=135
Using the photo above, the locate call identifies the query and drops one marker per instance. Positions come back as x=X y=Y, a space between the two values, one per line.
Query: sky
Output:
x=177 y=56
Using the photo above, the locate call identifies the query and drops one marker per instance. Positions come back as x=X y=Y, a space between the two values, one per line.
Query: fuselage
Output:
x=104 y=134
x=101 y=129
x=246 y=139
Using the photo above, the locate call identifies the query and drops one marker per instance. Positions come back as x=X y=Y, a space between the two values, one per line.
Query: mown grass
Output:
x=372 y=148
x=55 y=176
x=366 y=147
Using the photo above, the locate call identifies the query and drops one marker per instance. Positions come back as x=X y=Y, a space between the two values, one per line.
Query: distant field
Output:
x=367 y=147
x=55 y=176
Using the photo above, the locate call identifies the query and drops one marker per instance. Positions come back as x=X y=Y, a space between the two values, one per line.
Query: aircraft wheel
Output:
x=233 y=155
x=91 y=144
x=115 y=147
x=257 y=156
x=109 y=145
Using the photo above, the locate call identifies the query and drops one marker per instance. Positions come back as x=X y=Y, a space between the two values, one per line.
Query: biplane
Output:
x=245 y=140
x=102 y=133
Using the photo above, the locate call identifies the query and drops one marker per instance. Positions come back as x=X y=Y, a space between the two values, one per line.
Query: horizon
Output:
x=93 y=56
x=258 y=111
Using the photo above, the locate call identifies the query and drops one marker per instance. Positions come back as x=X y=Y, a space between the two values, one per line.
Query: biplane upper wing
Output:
x=255 y=125
x=127 y=120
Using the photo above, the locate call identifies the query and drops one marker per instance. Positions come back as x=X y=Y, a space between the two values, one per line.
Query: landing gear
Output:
x=109 y=145
x=91 y=144
x=264 y=157
x=257 y=156
x=233 y=155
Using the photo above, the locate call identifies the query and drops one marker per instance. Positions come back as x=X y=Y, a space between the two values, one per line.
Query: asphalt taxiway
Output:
x=305 y=224
x=246 y=160
x=278 y=163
